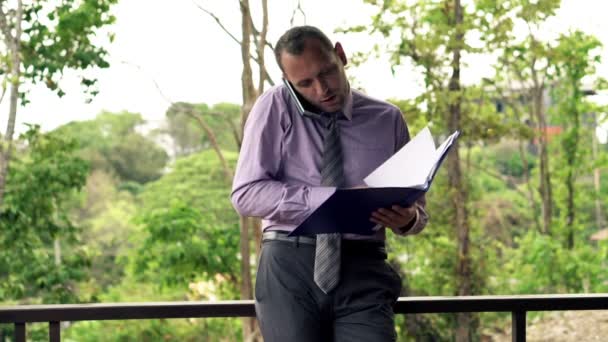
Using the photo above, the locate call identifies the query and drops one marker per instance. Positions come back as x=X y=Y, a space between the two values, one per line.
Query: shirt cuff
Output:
x=413 y=227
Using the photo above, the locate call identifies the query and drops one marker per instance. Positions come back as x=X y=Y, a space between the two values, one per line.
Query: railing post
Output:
x=54 y=331
x=19 y=332
x=518 y=326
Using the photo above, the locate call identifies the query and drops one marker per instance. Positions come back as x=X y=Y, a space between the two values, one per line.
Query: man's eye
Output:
x=329 y=71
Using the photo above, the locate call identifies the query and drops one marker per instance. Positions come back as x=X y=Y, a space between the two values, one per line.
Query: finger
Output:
x=389 y=213
x=379 y=218
x=390 y=220
x=383 y=219
x=405 y=211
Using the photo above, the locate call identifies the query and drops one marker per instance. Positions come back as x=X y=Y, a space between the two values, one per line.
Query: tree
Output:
x=575 y=57
x=184 y=128
x=528 y=63
x=249 y=33
x=34 y=218
x=431 y=34
x=189 y=234
x=43 y=39
x=435 y=36
x=112 y=143
x=137 y=159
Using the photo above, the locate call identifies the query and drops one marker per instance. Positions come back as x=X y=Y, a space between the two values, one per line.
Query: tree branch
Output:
x=160 y=91
x=233 y=127
x=190 y=112
x=4 y=27
x=217 y=20
x=266 y=75
x=3 y=89
x=297 y=9
x=261 y=46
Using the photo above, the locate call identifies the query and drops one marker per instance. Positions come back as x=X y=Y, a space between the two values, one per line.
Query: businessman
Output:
x=329 y=287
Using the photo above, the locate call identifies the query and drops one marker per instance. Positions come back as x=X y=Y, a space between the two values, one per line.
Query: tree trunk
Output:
x=545 y=174
x=530 y=194
x=455 y=179
x=249 y=97
x=250 y=94
x=13 y=43
x=571 y=143
x=246 y=288
x=599 y=220
x=526 y=169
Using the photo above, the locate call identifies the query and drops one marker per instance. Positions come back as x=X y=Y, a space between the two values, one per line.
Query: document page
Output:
x=409 y=167
x=441 y=153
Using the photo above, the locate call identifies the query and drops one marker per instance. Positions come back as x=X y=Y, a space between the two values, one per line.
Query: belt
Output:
x=266 y=236
x=351 y=247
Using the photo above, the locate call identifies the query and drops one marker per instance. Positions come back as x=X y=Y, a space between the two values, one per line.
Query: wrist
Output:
x=404 y=229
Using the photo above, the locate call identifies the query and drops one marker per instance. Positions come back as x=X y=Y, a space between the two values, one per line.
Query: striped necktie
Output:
x=327 y=253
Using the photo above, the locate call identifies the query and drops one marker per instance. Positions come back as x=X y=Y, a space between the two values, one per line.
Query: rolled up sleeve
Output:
x=256 y=189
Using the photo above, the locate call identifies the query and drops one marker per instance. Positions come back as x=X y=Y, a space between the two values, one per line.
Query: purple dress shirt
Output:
x=278 y=171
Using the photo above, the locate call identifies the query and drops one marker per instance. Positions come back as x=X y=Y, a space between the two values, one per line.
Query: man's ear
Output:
x=340 y=52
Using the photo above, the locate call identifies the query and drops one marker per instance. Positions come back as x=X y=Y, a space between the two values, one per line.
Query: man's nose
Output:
x=321 y=86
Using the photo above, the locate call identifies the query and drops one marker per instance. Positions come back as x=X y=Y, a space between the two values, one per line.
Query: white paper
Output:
x=413 y=165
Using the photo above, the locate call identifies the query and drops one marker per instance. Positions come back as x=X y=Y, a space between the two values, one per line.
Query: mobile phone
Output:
x=305 y=108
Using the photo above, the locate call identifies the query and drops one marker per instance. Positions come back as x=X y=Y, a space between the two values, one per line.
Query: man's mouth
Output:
x=328 y=99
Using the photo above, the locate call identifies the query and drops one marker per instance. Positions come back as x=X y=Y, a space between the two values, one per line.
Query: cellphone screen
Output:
x=304 y=107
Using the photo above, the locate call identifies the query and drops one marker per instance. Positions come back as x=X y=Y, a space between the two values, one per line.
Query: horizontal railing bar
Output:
x=245 y=308
x=502 y=303
x=122 y=311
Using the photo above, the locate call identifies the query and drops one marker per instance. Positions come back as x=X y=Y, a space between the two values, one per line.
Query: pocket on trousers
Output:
x=258 y=290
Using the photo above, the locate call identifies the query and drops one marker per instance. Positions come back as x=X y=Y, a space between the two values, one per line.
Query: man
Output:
x=332 y=287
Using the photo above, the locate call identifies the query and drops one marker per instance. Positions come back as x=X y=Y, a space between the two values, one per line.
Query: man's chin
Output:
x=331 y=108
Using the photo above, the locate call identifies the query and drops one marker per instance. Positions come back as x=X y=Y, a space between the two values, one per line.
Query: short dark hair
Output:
x=294 y=41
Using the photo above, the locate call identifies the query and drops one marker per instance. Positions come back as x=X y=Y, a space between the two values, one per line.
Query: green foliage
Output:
x=33 y=219
x=130 y=290
x=505 y=158
x=105 y=213
x=184 y=126
x=144 y=231
x=191 y=330
x=540 y=264
x=111 y=143
x=183 y=245
x=60 y=36
x=191 y=230
x=137 y=159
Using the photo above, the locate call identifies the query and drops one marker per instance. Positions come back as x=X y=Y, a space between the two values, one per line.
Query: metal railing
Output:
x=517 y=305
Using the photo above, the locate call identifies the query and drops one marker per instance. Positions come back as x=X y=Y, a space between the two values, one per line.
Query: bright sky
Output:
x=183 y=50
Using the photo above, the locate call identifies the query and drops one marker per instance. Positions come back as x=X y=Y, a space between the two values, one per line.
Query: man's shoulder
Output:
x=274 y=93
x=271 y=106
x=365 y=103
x=271 y=100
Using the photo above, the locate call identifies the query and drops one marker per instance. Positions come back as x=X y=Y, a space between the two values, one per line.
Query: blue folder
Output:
x=349 y=210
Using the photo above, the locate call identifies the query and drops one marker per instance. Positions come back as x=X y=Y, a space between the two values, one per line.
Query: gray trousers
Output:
x=290 y=307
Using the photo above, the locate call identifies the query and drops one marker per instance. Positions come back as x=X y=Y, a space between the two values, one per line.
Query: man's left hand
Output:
x=396 y=217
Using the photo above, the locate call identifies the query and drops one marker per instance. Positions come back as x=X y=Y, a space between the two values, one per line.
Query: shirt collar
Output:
x=347 y=109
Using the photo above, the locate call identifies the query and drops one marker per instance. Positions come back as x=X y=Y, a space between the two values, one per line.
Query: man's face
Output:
x=318 y=75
